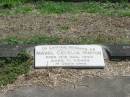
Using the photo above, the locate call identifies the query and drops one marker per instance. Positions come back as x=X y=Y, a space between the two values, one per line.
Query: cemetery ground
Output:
x=61 y=26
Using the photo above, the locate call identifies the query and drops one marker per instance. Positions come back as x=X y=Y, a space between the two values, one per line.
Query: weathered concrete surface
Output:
x=116 y=87
x=118 y=51
x=14 y=50
x=109 y=51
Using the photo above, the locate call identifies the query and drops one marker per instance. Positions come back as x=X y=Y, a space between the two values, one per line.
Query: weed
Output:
x=33 y=40
x=53 y=7
x=50 y=7
x=11 y=68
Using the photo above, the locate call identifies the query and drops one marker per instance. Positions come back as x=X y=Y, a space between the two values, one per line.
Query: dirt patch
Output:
x=66 y=25
x=63 y=77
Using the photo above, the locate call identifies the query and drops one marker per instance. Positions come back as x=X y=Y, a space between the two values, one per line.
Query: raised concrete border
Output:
x=109 y=51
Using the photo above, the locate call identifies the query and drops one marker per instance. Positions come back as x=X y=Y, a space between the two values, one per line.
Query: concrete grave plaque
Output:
x=69 y=56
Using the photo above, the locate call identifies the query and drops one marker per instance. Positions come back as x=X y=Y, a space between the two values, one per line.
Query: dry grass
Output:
x=76 y=27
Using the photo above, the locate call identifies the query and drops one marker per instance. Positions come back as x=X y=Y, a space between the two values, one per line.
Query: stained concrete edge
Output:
x=89 y=87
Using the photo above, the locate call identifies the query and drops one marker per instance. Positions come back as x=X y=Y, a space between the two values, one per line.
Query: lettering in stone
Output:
x=69 y=56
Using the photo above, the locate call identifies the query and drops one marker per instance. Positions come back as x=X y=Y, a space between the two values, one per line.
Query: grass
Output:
x=87 y=7
x=32 y=40
x=98 y=39
x=11 y=68
x=102 y=39
x=23 y=9
x=49 y=7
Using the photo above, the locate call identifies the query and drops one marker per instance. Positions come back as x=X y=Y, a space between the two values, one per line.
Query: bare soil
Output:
x=59 y=77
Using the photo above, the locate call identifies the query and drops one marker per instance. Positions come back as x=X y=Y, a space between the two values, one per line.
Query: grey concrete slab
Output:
x=116 y=87
x=14 y=50
x=9 y=50
x=118 y=51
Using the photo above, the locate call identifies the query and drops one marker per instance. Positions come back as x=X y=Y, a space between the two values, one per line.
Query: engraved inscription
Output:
x=68 y=55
